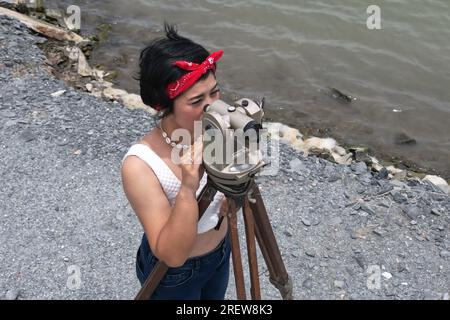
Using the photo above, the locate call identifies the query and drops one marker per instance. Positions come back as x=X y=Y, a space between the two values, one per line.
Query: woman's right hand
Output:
x=192 y=166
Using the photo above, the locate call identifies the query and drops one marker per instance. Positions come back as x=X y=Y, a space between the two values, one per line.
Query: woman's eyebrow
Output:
x=201 y=95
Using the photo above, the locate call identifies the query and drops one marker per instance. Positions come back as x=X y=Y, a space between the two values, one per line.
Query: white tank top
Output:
x=171 y=184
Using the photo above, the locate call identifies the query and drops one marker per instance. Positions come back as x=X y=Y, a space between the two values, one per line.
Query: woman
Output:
x=177 y=77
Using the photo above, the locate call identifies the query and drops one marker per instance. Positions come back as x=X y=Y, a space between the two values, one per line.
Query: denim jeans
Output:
x=202 y=277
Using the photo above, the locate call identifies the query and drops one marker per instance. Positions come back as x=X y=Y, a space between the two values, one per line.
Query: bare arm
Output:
x=171 y=232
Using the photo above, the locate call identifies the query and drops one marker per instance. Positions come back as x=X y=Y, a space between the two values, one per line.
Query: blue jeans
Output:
x=202 y=277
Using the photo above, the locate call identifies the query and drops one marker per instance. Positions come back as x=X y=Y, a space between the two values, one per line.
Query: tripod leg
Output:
x=236 y=251
x=268 y=244
x=255 y=289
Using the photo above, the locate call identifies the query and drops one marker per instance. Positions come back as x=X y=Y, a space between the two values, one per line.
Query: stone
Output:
x=12 y=294
x=306 y=222
x=62 y=141
x=297 y=166
x=398 y=197
x=412 y=211
x=308 y=283
x=385 y=188
x=438 y=182
x=387 y=275
x=379 y=232
x=404 y=139
x=359 y=167
x=134 y=101
x=113 y=93
x=367 y=209
x=335 y=221
x=435 y=211
x=310 y=253
x=398 y=184
x=7 y=114
x=400 y=175
x=444 y=254
x=334 y=177
x=10 y=123
x=27 y=135
x=339 y=284
x=58 y=93
x=53 y=13
x=382 y=174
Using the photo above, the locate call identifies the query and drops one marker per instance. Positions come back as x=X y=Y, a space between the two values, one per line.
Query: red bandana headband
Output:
x=197 y=70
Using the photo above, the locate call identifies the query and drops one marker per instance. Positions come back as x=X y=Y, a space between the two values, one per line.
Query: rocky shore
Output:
x=355 y=230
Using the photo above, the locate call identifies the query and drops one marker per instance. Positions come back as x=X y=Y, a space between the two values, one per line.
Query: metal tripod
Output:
x=257 y=225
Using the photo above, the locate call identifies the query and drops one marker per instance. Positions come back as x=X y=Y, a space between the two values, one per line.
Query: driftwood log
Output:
x=42 y=27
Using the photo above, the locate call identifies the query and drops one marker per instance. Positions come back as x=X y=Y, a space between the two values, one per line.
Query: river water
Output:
x=292 y=52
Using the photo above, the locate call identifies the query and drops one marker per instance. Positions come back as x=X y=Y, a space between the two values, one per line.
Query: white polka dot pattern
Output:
x=171 y=184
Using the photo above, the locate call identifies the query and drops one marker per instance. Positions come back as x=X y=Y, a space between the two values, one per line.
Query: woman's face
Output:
x=188 y=107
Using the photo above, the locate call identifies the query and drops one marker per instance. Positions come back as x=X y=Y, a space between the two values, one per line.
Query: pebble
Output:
x=360 y=189
x=306 y=222
x=310 y=253
x=359 y=167
x=379 y=232
x=27 y=135
x=446 y=296
x=334 y=177
x=12 y=294
x=360 y=260
x=412 y=212
x=435 y=211
x=444 y=254
x=7 y=114
x=62 y=142
x=383 y=204
x=399 y=198
x=385 y=188
x=382 y=174
x=287 y=233
x=367 y=209
x=297 y=165
x=335 y=221
x=308 y=283
x=339 y=284
x=387 y=275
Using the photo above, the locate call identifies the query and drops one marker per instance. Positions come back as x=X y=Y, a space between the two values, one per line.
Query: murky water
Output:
x=292 y=51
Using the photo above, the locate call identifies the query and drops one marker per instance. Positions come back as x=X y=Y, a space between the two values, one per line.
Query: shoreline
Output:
x=63 y=58
x=64 y=208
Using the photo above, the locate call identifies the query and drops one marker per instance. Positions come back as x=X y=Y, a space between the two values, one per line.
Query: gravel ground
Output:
x=68 y=232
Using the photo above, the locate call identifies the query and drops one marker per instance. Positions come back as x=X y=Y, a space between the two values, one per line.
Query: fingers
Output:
x=194 y=154
x=197 y=151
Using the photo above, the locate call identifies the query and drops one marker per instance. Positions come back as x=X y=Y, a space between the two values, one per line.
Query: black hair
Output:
x=156 y=69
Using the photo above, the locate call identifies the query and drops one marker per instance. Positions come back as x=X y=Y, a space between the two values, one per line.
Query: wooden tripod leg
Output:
x=236 y=251
x=255 y=289
x=268 y=244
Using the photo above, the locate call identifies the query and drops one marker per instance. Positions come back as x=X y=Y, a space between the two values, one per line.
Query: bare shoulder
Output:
x=138 y=178
x=146 y=196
